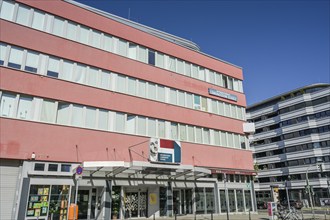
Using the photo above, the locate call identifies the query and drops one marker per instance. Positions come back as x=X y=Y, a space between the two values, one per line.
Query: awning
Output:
x=141 y=170
x=240 y=172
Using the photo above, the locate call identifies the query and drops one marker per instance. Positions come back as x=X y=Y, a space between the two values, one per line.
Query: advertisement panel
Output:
x=164 y=151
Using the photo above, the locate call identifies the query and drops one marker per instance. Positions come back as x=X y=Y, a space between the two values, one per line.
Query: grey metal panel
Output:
x=9 y=171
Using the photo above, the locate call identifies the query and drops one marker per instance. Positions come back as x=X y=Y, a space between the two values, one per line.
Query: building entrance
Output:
x=182 y=201
x=135 y=203
x=87 y=203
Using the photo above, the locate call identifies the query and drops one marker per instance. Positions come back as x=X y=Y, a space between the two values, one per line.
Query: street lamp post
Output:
x=309 y=192
x=227 y=197
x=287 y=194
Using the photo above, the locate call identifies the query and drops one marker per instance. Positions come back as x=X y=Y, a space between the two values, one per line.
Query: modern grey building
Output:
x=292 y=140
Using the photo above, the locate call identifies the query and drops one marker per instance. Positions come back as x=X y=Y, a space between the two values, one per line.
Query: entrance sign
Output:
x=164 y=151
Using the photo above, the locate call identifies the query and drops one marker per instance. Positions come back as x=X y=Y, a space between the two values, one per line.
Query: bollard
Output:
x=249 y=215
x=325 y=215
x=212 y=215
x=195 y=215
x=154 y=217
x=175 y=216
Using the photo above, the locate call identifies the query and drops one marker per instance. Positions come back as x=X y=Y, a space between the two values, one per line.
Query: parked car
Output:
x=293 y=203
x=261 y=205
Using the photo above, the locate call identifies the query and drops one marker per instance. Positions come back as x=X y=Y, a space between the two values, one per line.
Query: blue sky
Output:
x=281 y=45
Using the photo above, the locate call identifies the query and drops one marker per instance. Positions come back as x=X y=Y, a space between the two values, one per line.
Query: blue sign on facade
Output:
x=222 y=94
x=163 y=157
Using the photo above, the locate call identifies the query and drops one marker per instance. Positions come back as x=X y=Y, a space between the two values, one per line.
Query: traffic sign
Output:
x=79 y=170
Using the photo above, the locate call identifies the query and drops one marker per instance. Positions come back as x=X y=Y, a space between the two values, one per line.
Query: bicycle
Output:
x=288 y=214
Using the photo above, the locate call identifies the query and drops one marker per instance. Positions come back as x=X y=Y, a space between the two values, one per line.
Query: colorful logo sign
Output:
x=164 y=151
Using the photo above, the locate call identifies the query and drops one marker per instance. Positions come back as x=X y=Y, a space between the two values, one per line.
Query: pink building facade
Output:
x=83 y=90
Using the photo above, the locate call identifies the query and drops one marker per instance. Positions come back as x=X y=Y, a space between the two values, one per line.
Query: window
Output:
x=132 y=51
x=3 y=49
x=105 y=80
x=197 y=102
x=52 y=167
x=174 y=131
x=180 y=66
x=96 y=39
x=211 y=77
x=120 y=122
x=48 y=111
x=58 y=27
x=189 y=100
x=130 y=124
x=142 y=88
x=25 y=108
x=15 y=58
x=151 y=91
x=131 y=86
x=90 y=117
x=191 y=133
x=204 y=104
x=181 y=98
x=201 y=73
x=206 y=136
x=173 y=98
x=122 y=48
x=217 y=138
x=63 y=113
x=103 y=119
x=39 y=166
x=93 y=75
x=230 y=140
x=214 y=107
x=151 y=57
x=77 y=115
x=79 y=74
x=161 y=93
x=160 y=60
x=108 y=42
x=67 y=69
x=38 y=20
x=183 y=132
x=152 y=127
x=223 y=139
x=23 y=15
x=121 y=83
x=7 y=10
x=187 y=69
x=84 y=35
x=141 y=125
x=161 y=128
x=65 y=167
x=32 y=60
x=142 y=54
x=198 y=135
x=71 y=31
x=194 y=71
x=171 y=64
x=7 y=104
x=221 y=108
x=53 y=67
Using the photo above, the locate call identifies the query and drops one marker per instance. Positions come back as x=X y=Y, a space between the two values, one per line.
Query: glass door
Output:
x=188 y=200
x=83 y=202
x=176 y=202
x=131 y=204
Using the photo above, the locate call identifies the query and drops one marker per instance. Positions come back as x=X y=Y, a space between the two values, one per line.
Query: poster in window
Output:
x=37 y=212
x=30 y=205
x=30 y=212
x=40 y=191
x=46 y=191
x=34 y=198
x=43 y=198
x=44 y=204
x=43 y=210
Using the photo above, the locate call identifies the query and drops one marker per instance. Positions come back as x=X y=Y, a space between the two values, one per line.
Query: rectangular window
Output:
x=191 y=134
x=7 y=10
x=90 y=117
x=211 y=77
x=151 y=127
x=142 y=88
x=38 y=20
x=131 y=86
x=67 y=70
x=230 y=83
x=180 y=66
x=108 y=42
x=39 y=166
x=189 y=100
x=204 y=104
x=223 y=139
x=234 y=111
x=206 y=136
x=52 y=167
x=173 y=98
x=151 y=91
x=142 y=54
x=65 y=168
x=235 y=85
x=174 y=131
x=161 y=128
x=15 y=58
x=96 y=39
x=77 y=115
x=130 y=124
x=7 y=104
x=224 y=81
x=84 y=35
x=24 y=108
x=194 y=71
x=120 y=122
x=218 y=79
x=105 y=80
x=221 y=108
x=183 y=132
x=63 y=113
x=230 y=140
x=151 y=57
x=239 y=113
x=201 y=73
x=122 y=48
x=58 y=27
x=3 y=49
x=132 y=51
x=187 y=69
x=103 y=119
x=141 y=125
x=161 y=93
x=217 y=138
x=236 y=141
x=121 y=83
x=93 y=75
x=53 y=67
x=160 y=60
x=48 y=111
x=181 y=98
x=32 y=60
x=214 y=107
x=227 y=110
x=171 y=64
x=198 y=135
x=197 y=102
x=71 y=31
x=23 y=15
